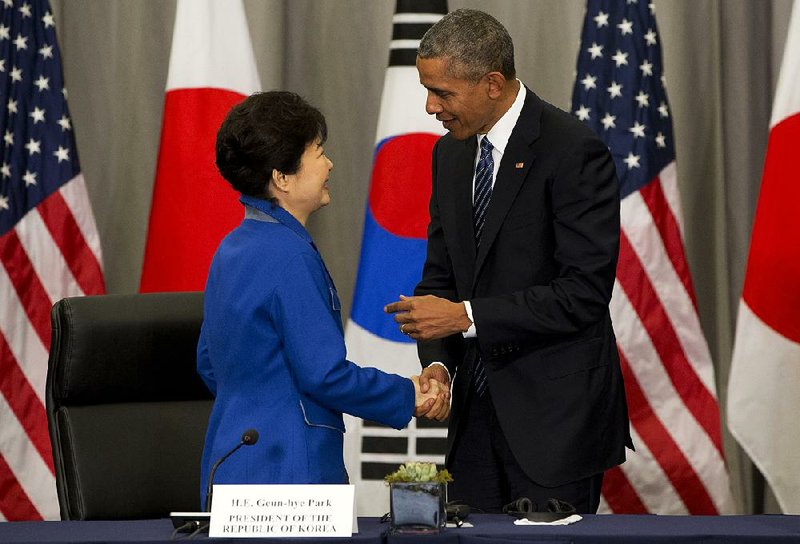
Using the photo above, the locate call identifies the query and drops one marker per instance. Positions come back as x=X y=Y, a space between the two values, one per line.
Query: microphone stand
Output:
x=199 y=521
x=210 y=489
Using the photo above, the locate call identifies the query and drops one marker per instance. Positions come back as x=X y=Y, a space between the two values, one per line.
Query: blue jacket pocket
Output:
x=319 y=416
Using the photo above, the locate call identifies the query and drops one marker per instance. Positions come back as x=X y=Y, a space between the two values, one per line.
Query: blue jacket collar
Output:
x=279 y=214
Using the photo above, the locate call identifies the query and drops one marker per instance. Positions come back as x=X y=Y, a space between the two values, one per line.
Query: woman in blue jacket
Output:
x=271 y=347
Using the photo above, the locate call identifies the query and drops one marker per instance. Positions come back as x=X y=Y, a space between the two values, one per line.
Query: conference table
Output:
x=598 y=529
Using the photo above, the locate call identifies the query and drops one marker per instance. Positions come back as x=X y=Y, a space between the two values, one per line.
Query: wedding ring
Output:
x=401 y=328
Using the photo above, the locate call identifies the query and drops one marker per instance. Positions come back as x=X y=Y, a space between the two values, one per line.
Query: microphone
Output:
x=197 y=522
x=249 y=438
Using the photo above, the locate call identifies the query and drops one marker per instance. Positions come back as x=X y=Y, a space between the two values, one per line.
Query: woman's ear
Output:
x=279 y=181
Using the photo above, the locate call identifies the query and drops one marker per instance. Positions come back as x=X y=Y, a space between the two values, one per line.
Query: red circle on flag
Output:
x=401 y=184
x=771 y=286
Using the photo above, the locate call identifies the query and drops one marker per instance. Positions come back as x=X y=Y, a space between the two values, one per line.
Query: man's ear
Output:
x=497 y=82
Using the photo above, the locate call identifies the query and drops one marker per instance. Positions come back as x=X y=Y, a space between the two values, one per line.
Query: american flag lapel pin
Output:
x=519 y=165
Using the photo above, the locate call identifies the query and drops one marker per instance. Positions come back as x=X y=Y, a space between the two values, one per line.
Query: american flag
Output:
x=49 y=248
x=678 y=466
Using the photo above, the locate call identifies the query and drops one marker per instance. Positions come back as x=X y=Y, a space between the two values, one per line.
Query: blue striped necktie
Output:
x=483 y=188
x=480 y=202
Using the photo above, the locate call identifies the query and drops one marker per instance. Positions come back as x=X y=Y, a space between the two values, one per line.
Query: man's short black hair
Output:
x=473 y=41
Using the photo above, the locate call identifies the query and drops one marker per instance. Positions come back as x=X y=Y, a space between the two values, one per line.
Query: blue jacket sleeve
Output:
x=204 y=363
x=314 y=343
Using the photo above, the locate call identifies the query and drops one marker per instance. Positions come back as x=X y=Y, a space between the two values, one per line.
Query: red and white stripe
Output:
x=764 y=384
x=678 y=467
x=52 y=253
x=212 y=67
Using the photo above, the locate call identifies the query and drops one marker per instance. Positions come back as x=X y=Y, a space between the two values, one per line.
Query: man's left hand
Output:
x=429 y=317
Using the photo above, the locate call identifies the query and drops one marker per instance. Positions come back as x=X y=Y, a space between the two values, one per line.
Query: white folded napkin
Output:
x=563 y=521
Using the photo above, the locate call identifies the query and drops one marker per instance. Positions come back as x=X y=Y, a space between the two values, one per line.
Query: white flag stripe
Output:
x=46 y=258
x=367 y=349
x=690 y=437
x=404 y=44
x=401 y=85
x=787 y=98
x=650 y=481
x=372 y=498
x=211 y=48
x=24 y=343
x=721 y=491
x=77 y=200
x=400 y=458
x=668 y=178
x=415 y=18
x=415 y=431
x=639 y=226
x=27 y=465
x=765 y=363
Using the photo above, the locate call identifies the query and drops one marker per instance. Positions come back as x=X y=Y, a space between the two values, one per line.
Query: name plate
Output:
x=279 y=511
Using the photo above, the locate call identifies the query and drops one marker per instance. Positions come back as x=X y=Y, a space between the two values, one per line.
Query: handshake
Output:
x=432 y=393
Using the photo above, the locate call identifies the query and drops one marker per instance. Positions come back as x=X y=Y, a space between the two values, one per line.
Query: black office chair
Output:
x=126 y=410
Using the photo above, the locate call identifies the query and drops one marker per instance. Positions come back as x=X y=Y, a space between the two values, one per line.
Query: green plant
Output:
x=419 y=472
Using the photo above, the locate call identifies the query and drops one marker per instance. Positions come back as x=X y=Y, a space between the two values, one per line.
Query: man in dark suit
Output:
x=513 y=303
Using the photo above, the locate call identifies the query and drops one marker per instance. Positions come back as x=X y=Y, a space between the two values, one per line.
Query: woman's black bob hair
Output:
x=265 y=132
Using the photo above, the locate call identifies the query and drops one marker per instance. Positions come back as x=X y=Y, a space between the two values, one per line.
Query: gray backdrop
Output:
x=722 y=60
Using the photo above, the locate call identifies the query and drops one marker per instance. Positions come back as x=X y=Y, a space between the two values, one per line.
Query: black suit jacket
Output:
x=539 y=286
